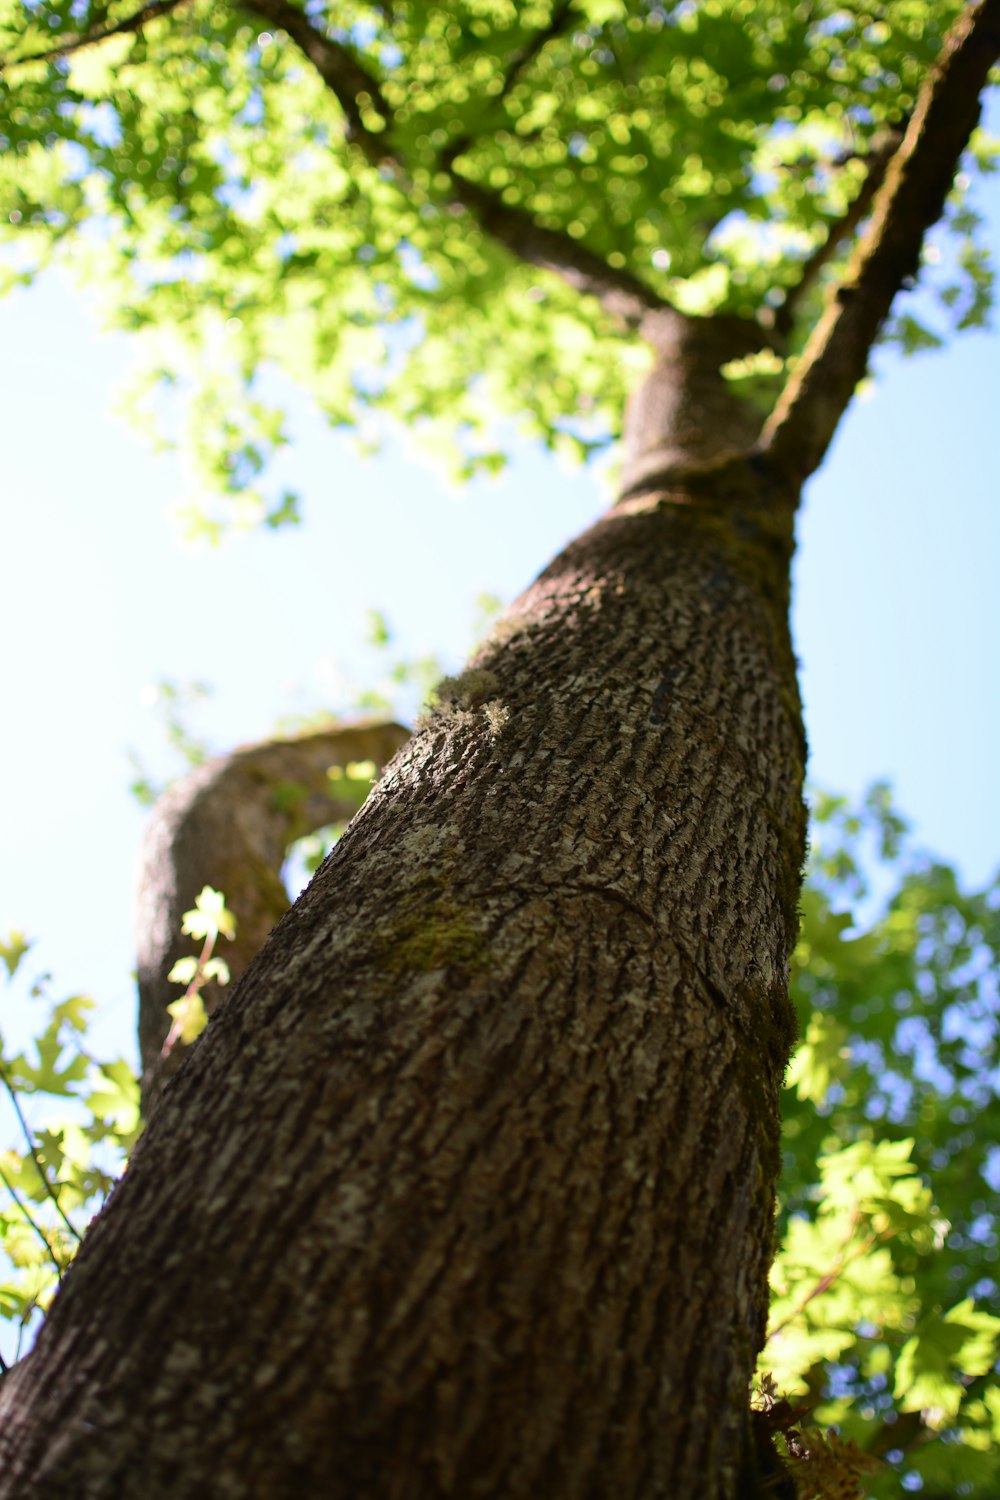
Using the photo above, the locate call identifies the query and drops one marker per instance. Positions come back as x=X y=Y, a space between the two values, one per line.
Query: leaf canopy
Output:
x=355 y=230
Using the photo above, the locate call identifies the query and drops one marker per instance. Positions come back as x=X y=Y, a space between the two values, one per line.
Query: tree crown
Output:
x=400 y=206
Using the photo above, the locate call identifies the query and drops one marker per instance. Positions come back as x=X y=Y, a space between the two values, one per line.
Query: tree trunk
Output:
x=468 y=1189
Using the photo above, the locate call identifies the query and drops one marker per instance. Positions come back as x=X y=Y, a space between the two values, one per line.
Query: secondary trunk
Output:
x=468 y=1189
x=227 y=825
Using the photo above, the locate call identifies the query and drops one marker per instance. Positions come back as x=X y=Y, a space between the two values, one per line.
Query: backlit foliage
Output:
x=885 y=1319
x=201 y=176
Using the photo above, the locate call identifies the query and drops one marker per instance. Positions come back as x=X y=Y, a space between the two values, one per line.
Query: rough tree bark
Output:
x=468 y=1188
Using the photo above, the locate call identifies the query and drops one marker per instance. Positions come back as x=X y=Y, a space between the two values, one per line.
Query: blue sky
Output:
x=895 y=607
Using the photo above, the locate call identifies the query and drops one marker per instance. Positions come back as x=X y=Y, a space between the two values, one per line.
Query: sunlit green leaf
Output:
x=12 y=949
x=210 y=916
x=190 y=1017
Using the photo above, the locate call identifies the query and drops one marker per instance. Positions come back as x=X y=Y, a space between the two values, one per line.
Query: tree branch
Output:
x=878 y=159
x=355 y=90
x=619 y=292
x=100 y=34
x=911 y=199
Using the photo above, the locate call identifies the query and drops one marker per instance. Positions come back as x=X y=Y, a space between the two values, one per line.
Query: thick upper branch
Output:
x=623 y=295
x=911 y=199
x=877 y=162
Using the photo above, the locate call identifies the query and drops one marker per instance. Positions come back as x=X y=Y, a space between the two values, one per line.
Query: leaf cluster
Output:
x=73 y=1120
x=207 y=921
x=885 y=1319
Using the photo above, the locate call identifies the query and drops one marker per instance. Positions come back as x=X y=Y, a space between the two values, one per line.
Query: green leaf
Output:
x=92 y=72
x=216 y=969
x=190 y=1016
x=116 y=1099
x=13 y=947
x=183 y=971
x=960 y=1343
x=377 y=631
x=75 y=1011
x=821 y=1059
x=51 y=1074
x=209 y=917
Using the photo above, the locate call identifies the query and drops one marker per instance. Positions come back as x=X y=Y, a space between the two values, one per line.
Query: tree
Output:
x=469 y=1186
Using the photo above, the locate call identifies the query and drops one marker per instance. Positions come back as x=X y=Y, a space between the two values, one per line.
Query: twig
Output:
x=193 y=990
x=12 y=1190
x=36 y=1154
x=827 y=1280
